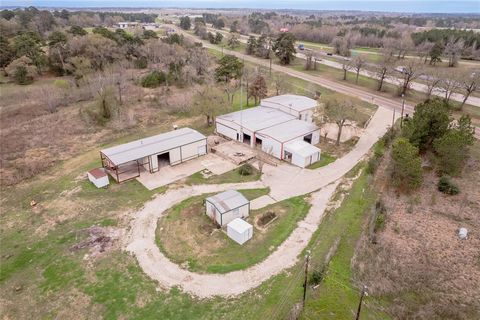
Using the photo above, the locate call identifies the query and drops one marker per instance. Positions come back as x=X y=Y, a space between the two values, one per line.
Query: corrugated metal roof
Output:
x=301 y=148
x=239 y=225
x=156 y=144
x=287 y=131
x=257 y=118
x=228 y=200
x=292 y=101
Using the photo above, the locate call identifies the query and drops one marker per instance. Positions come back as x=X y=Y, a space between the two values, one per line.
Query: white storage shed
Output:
x=126 y=161
x=98 y=177
x=239 y=230
x=301 y=153
x=227 y=206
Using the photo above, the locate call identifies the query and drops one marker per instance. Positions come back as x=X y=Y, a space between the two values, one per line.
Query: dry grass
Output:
x=34 y=139
x=418 y=262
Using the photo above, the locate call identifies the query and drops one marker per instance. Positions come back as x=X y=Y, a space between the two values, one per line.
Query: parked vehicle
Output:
x=301 y=46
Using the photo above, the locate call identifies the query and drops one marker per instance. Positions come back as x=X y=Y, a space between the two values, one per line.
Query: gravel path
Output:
x=284 y=181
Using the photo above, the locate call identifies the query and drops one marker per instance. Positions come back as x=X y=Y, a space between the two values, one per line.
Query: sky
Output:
x=407 y=6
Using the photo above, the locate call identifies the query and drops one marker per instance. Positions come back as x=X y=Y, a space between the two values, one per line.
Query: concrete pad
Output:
x=261 y=202
x=169 y=174
x=235 y=151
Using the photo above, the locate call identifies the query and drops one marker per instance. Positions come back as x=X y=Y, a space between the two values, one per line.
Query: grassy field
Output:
x=185 y=229
x=233 y=176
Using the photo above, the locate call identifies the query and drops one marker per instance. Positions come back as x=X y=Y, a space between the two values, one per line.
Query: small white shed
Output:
x=227 y=206
x=98 y=177
x=239 y=230
x=301 y=153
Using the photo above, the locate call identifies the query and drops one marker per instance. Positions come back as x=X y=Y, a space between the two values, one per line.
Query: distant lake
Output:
x=408 y=6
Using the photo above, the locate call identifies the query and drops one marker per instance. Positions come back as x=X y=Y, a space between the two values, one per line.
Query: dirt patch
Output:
x=266 y=218
x=98 y=240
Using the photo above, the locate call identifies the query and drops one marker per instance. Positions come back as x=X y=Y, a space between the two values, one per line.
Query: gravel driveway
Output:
x=284 y=181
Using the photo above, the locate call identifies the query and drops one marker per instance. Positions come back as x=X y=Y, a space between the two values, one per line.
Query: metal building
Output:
x=126 y=161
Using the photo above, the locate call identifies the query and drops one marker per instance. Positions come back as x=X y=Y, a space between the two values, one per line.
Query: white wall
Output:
x=271 y=146
x=242 y=212
x=100 y=182
x=229 y=131
x=316 y=137
x=240 y=238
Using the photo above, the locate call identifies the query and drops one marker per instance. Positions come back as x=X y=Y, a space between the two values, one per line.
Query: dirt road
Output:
x=284 y=181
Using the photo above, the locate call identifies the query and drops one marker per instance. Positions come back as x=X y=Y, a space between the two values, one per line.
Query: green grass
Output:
x=223 y=254
x=325 y=159
x=232 y=176
x=337 y=297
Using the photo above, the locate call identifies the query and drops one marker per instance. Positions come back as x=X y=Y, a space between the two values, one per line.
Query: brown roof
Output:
x=97 y=173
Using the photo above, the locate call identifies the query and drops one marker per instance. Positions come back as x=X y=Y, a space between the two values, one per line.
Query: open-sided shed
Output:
x=126 y=161
x=226 y=206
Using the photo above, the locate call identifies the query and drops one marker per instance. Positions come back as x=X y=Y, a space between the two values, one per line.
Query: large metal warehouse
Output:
x=299 y=106
x=127 y=161
x=271 y=130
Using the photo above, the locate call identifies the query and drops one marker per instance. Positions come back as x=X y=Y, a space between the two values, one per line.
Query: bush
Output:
x=154 y=79
x=317 y=276
x=406 y=165
x=246 y=169
x=445 y=185
x=380 y=212
x=140 y=63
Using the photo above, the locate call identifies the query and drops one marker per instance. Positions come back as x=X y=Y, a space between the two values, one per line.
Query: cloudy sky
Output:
x=440 y=6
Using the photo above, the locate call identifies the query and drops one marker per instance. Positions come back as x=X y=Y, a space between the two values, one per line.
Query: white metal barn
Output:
x=239 y=230
x=126 y=161
x=271 y=130
x=299 y=106
x=98 y=177
x=227 y=206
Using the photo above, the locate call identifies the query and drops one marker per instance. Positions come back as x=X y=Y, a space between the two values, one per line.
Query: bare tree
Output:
x=453 y=50
x=423 y=50
x=50 y=97
x=469 y=83
x=339 y=110
x=384 y=67
x=280 y=84
x=449 y=84
x=230 y=88
x=346 y=65
x=209 y=102
x=258 y=89
x=412 y=69
x=357 y=64
x=432 y=80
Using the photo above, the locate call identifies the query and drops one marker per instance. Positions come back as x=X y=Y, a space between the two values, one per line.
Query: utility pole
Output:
x=403 y=108
x=393 y=117
x=364 y=292
x=307 y=260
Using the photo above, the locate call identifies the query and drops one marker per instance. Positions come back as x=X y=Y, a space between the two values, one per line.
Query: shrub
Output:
x=445 y=185
x=380 y=212
x=140 y=63
x=317 y=276
x=153 y=79
x=246 y=169
x=406 y=166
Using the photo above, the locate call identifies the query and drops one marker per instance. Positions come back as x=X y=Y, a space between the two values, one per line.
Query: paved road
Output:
x=381 y=101
x=392 y=80
x=285 y=182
